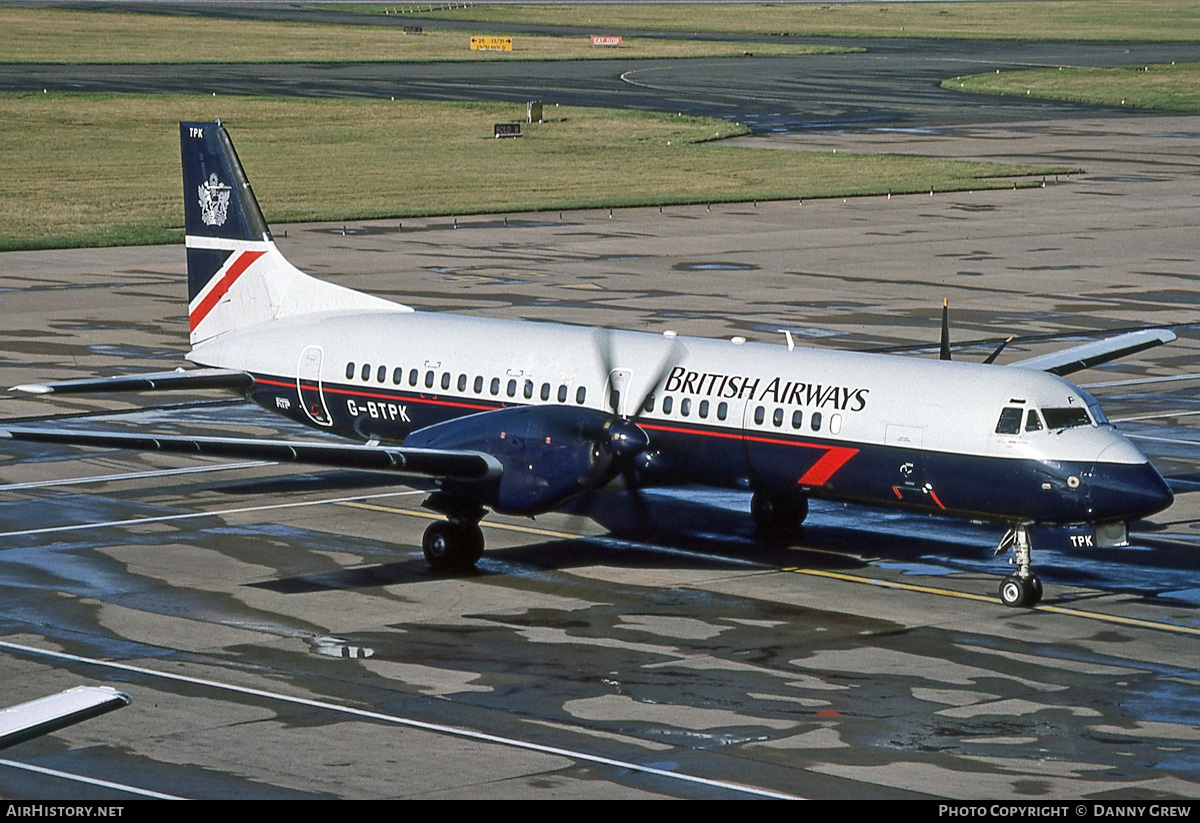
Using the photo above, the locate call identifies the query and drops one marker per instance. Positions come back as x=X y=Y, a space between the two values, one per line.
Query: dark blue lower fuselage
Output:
x=779 y=464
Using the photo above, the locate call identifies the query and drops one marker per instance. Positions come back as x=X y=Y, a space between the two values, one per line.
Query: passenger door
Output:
x=308 y=386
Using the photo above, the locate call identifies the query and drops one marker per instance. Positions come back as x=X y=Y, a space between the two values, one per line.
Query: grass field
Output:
x=1174 y=87
x=68 y=36
x=85 y=170
x=1036 y=20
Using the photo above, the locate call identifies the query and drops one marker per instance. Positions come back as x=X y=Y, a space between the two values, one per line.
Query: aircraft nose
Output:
x=1126 y=491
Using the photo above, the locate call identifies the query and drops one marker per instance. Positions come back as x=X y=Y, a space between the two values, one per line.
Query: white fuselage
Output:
x=866 y=427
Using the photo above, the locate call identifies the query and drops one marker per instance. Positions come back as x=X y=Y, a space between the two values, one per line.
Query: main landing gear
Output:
x=452 y=545
x=456 y=543
x=1022 y=588
x=778 y=515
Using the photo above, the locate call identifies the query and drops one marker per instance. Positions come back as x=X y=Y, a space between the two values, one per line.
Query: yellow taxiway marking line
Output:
x=1126 y=621
x=888 y=584
x=1088 y=615
x=845 y=578
x=491 y=524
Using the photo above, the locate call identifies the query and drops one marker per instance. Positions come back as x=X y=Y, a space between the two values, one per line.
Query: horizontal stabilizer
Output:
x=1078 y=358
x=49 y=714
x=459 y=465
x=178 y=380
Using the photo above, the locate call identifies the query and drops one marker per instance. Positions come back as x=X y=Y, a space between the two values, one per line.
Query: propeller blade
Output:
x=641 y=516
x=664 y=368
x=623 y=439
x=944 y=352
x=604 y=354
x=607 y=362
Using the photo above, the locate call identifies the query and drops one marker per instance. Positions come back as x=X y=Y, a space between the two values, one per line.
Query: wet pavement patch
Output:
x=716 y=266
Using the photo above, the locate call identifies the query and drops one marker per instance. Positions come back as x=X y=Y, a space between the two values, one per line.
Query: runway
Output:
x=892 y=84
x=281 y=637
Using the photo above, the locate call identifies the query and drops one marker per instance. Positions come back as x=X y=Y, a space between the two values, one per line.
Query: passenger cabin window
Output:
x=777 y=418
x=495 y=387
x=668 y=404
x=760 y=414
x=580 y=395
x=722 y=410
x=814 y=420
x=649 y=404
x=545 y=394
x=562 y=393
x=704 y=408
x=366 y=372
x=685 y=406
x=381 y=374
x=462 y=382
x=1068 y=418
x=797 y=418
x=349 y=371
x=478 y=384
x=511 y=389
x=429 y=379
x=412 y=377
x=1033 y=423
x=445 y=380
x=835 y=424
x=528 y=391
x=397 y=375
x=1010 y=421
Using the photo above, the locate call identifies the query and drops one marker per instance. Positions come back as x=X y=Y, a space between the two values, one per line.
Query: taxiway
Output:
x=281 y=637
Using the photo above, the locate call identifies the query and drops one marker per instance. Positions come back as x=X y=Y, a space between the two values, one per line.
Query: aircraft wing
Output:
x=178 y=380
x=26 y=721
x=1078 y=358
x=443 y=463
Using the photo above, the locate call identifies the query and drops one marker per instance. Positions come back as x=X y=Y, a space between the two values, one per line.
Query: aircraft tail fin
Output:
x=237 y=277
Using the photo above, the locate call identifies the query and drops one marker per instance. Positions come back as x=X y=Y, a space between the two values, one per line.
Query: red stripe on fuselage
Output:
x=827 y=466
x=408 y=398
x=239 y=265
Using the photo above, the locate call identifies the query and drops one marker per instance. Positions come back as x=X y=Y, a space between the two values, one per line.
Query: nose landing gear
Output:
x=1022 y=588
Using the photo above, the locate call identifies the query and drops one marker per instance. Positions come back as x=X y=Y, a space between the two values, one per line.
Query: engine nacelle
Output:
x=549 y=454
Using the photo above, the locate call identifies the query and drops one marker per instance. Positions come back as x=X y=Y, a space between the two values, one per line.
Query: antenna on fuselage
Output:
x=991 y=358
x=944 y=351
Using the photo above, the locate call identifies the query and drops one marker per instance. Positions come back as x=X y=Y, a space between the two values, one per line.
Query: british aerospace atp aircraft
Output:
x=521 y=417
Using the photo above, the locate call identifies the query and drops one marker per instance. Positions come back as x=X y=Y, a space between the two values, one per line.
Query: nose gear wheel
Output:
x=1022 y=588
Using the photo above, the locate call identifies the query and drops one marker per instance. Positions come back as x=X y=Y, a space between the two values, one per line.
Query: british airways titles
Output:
x=778 y=390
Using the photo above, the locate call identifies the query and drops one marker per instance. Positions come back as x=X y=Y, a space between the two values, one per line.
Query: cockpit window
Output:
x=1010 y=421
x=1066 y=418
x=1093 y=407
x=1033 y=423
